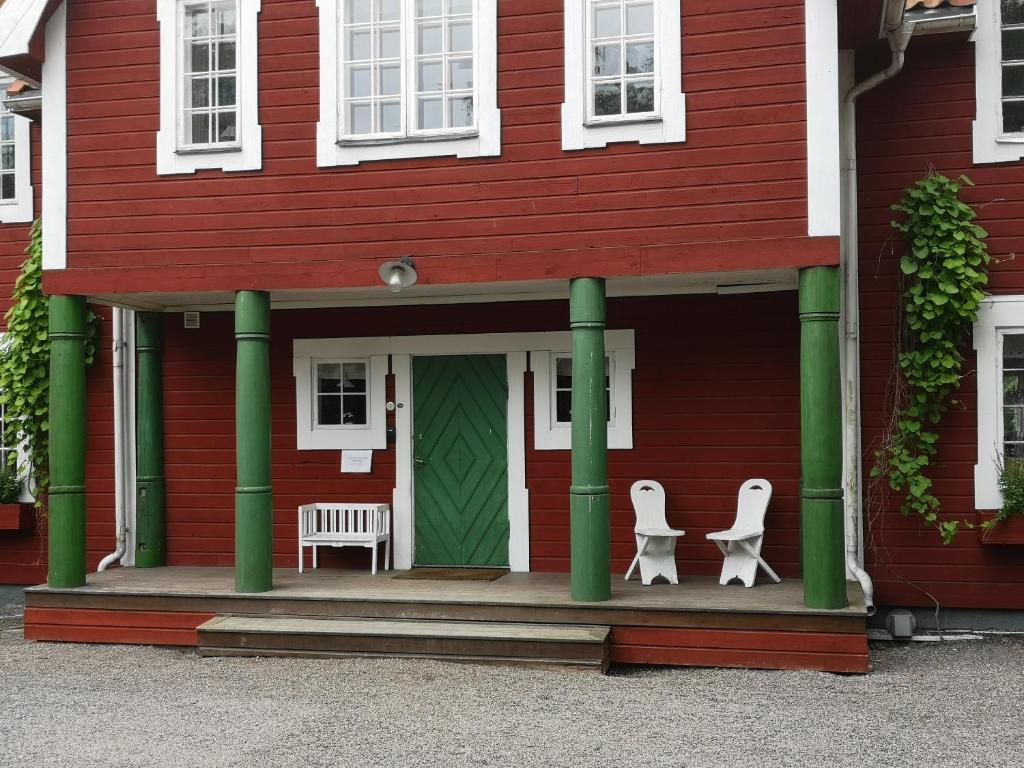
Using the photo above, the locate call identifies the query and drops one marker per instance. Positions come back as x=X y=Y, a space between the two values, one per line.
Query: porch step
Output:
x=480 y=641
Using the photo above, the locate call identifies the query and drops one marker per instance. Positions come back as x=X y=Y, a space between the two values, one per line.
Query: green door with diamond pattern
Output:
x=460 y=406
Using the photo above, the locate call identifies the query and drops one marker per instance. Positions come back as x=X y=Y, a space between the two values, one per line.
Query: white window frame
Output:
x=991 y=145
x=997 y=317
x=551 y=435
x=20 y=208
x=668 y=122
x=245 y=154
x=484 y=141
x=311 y=436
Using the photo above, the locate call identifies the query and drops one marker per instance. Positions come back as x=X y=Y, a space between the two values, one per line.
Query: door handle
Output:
x=418 y=461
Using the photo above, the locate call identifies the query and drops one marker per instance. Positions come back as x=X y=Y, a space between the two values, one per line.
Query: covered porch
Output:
x=694 y=623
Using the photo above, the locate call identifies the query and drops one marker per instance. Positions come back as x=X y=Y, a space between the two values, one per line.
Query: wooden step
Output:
x=484 y=641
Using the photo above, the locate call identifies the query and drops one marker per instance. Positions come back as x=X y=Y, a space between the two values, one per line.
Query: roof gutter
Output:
x=898 y=32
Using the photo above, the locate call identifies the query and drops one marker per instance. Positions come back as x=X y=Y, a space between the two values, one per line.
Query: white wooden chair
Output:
x=345 y=525
x=655 y=541
x=741 y=544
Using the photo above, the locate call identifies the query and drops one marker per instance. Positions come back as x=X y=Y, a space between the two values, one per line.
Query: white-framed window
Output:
x=340 y=401
x=999 y=342
x=623 y=78
x=999 y=86
x=208 y=86
x=552 y=394
x=16 y=202
x=407 y=78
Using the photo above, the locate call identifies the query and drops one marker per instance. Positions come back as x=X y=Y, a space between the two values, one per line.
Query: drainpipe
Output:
x=899 y=34
x=120 y=497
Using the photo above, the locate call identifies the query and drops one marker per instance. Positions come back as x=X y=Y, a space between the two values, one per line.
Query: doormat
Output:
x=453 y=574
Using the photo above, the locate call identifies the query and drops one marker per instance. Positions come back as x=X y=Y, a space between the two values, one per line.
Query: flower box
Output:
x=17 y=517
x=1010 y=531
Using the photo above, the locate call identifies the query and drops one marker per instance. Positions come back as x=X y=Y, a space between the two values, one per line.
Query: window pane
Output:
x=390 y=10
x=390 y=80
x=1013 y=11
x=607 y=20
x=226 y=55
x=429 y=76
x=461 y=113
x=226 y=126
x=1013 y=117
x=640 y=96
x=360 y=81
x=460 y=74
x=7 y=186
x=328 y=410
x=607 y=99
x=640 y=19
x=1013 y=388
x=563 y=372
x=199 y=59
x=607 y=59
x=389 y=118
x=428 y=8
x=7 y=158
x=428 y=39
x=639 y=58
x=390 y=43
x=354 y=409
x=200 y=91
x=430 y=113
x=328 y=378
x=460 y=6
x=224 y=19
x=354 y=377
x=460 y=37
x=563 y=406
x=226 y=91
x=197 y=21
x=359 y=44
x=200 y=125
x=7 y=128
x=1013 y=80
x=359 y=11
x=360 y=118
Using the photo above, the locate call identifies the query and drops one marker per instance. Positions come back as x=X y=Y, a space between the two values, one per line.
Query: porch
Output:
x=697 y=623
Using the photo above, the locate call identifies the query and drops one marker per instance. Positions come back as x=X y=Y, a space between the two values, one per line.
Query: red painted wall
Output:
x=733 y=196
x=921 y=120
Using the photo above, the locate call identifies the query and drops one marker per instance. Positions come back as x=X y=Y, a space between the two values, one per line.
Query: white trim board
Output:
x=821 y=29
x=55 y=143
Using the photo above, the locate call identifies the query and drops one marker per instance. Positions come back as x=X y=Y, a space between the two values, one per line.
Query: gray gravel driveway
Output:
x=950 y=704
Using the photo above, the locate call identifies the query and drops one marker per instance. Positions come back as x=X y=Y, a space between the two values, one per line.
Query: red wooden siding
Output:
x=731 y=197
x=923 y=119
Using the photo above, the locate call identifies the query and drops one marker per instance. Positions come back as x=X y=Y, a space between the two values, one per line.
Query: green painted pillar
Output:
x=150 y=490
x=67 y=442
x=590 y=570
x=821 y=441
x=253 y=499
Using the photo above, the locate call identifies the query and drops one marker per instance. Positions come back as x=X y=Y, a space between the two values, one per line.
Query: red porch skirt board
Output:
x=697 y=647
x=750 y=649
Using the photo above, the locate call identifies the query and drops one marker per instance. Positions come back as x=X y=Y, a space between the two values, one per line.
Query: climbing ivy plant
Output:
x=944 y=271
x=25 y=368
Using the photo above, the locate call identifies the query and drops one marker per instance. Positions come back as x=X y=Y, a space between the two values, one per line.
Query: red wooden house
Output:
x=240 y=185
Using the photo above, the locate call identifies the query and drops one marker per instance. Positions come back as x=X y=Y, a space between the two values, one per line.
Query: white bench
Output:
x=345 y=525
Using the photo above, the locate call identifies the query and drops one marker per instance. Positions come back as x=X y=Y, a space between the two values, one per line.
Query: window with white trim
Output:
x=407 y=78
x=552 y=397
x=999 y=86
x=15 y=177
x=208 y=89
x=340 y=402
x=622 y=73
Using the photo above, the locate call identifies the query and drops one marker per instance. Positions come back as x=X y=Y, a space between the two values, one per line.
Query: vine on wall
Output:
x=944 y=271
x=25 y=369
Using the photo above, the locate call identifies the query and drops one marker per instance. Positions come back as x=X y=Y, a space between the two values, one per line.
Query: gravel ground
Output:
x=950 y=704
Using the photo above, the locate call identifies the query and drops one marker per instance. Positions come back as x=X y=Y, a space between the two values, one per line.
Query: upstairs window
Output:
x=999 y=85
x=15 y=178
x=407 y=78
x=622 y=73
x=208 y=86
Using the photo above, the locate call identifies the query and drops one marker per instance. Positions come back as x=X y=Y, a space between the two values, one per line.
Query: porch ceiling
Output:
x=661 y=285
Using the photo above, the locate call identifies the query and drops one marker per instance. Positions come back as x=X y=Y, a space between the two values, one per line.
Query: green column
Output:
x=821 y=441
x=67 y=442
x=150 y=491
x=253 y=499
x=590 y=576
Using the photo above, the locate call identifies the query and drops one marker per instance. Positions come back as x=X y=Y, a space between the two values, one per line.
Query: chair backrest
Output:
x=649 y=503
x=752 y=504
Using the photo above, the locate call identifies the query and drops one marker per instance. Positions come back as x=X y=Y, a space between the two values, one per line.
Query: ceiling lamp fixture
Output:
x=398 y=274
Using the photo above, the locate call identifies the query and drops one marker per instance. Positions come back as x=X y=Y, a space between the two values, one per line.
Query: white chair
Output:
x=741 y=544
x=345 y=525
x=655 y=541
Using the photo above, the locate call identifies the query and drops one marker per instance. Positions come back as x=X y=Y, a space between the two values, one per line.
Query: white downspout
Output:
x=119 y=442
x=899 y=34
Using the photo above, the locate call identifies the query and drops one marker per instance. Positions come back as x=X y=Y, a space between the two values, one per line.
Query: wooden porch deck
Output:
x=696 y=623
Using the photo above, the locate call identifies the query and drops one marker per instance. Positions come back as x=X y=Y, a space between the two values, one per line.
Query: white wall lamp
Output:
x=398 y=274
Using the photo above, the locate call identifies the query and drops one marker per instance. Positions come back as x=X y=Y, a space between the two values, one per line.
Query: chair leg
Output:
x=387 y=554
x=314 y=556
x=300 y=555
x=760 y=561
x=373 y=561
x=633 y=565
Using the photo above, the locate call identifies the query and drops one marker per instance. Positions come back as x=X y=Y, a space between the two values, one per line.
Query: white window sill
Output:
x=485 y=142
x=18 y=211
x=668 y=129
x=995 y=149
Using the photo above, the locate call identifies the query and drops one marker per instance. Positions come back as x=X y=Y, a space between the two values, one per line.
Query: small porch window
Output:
x=562 y=394
x=340 y=402
x=15 y=179
x=342 y=394
x=208 y=86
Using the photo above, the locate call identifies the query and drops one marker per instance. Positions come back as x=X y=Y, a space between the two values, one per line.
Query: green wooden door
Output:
x=461 y=460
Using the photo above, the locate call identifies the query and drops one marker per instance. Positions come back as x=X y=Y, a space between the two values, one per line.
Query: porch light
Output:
x=398 y=274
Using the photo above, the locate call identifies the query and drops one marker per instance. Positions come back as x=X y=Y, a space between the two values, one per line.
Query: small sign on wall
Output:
x=356 y=461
